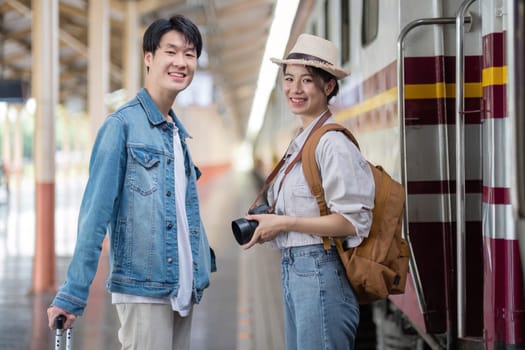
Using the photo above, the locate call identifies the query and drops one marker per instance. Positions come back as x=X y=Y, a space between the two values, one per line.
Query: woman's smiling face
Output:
x=305 y=92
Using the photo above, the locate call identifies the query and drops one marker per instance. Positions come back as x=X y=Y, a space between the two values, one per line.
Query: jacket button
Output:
x=168 y=193
x=170 y=226
x=170 y=260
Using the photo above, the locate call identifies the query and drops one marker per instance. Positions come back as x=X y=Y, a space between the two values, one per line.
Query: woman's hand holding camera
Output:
x=269 y=226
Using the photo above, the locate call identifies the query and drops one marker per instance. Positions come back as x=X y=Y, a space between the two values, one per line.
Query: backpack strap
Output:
x=383 y=190
x=312 y=172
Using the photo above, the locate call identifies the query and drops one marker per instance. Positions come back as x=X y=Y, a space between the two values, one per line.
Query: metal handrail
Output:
x=515 y=91
x=402 y=136
x=460 y=169
x=516 y=109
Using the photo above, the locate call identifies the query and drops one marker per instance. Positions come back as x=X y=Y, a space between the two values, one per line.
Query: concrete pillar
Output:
x=133 y=50
x=98 y=69
x=6 y=137
x=44 y=87
x=17 y=160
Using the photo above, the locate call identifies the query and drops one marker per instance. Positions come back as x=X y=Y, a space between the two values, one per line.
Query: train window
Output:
x=314 y=29
x=370 y=21
x=520 y=142
x=326 y=11
x=345 y=31
x=521 y=176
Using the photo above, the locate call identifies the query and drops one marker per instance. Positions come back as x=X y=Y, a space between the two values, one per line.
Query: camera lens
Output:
x=243 y=230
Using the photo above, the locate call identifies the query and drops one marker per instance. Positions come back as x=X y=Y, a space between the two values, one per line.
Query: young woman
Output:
x=321 y=311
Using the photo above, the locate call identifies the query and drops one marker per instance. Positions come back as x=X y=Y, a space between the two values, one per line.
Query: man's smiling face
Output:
x=172 y=66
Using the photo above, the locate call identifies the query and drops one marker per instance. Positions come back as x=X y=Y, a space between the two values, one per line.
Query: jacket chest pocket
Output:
x=144 y=170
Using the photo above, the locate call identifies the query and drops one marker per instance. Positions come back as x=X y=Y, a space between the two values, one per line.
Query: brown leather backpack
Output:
x=379 y=265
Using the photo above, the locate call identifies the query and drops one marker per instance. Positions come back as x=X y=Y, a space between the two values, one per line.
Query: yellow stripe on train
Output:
x=494 y=76
x=490 y=76
x=370 y=104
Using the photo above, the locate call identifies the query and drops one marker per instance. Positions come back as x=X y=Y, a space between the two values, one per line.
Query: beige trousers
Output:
x=153 y=327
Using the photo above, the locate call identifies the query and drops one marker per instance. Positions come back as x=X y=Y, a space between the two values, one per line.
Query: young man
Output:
x=142 y=190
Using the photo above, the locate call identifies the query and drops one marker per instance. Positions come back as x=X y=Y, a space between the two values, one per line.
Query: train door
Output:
x=466 y=270
x=442 y=140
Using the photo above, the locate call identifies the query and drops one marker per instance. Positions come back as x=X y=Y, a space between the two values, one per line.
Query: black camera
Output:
x=243 y=229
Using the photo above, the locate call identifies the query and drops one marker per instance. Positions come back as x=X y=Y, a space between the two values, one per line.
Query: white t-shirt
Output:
x=182 y=303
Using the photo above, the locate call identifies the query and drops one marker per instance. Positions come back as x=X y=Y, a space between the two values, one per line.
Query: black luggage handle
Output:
x=60 y=320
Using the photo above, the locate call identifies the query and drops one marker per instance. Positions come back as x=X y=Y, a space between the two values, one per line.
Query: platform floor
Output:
x=241 y=310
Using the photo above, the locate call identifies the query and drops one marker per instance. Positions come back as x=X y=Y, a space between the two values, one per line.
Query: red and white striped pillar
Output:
x=44 y=85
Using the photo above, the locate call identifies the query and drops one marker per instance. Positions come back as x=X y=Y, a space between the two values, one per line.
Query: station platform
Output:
x=241 y=310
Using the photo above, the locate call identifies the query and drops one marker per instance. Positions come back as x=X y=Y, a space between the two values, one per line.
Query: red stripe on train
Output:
x=440 y=111
x=417 y=69
x=495 y=101
x=494 y=50
x=442 y=187
x=491 y=195
x=496 y=195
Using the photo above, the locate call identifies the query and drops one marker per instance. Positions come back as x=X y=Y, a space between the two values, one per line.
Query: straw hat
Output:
x=311 y=50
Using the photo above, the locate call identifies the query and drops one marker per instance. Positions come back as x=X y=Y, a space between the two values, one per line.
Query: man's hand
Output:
x=54 y=311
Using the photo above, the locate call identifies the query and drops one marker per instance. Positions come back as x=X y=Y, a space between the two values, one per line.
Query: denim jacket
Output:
x=130 y=195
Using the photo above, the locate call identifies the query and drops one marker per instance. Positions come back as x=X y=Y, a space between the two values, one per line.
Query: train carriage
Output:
x=434 y=98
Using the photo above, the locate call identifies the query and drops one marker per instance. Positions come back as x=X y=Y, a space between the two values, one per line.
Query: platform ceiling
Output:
x=235 y=33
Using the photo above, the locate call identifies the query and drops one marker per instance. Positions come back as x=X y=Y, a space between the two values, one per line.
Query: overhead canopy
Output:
x=235 y=34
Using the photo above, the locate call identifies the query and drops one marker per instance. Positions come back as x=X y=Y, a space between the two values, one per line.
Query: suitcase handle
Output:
x=59 y=322
x=59 y=325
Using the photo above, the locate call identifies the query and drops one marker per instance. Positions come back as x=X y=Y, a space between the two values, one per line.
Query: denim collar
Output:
x=154 y=115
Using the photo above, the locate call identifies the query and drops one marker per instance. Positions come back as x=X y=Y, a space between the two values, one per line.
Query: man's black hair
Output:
x=179 y=23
